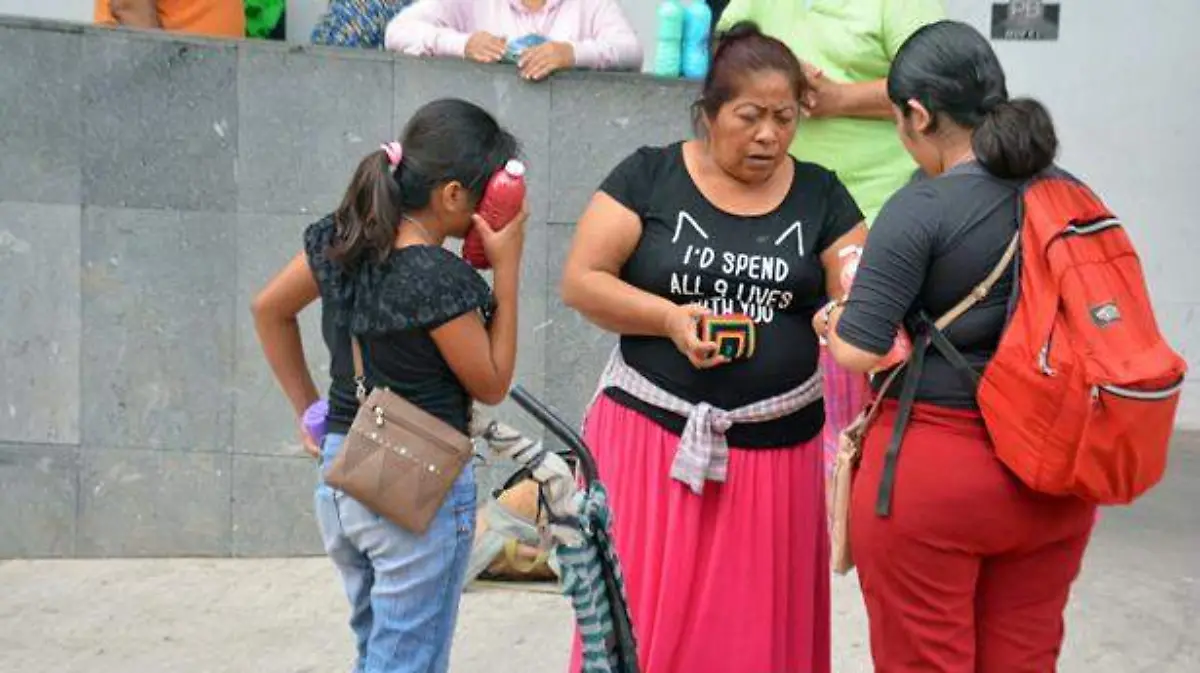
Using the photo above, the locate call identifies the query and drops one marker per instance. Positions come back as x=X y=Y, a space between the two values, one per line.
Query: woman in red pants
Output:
x=969 y=571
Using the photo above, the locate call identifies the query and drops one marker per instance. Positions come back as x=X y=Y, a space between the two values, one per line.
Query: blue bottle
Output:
x=669 y=40
x=697 y=28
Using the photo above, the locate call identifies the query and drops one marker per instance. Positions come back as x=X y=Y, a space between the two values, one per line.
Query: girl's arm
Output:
x=275 y=310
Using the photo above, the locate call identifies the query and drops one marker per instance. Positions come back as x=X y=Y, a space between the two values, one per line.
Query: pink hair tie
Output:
x=395 y=152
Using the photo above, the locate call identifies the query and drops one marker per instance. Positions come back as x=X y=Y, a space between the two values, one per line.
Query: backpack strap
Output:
x=938 y=338
x=929 y=333
x=908 y=395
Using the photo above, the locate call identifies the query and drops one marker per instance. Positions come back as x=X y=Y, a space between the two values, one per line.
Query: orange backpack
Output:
x=1080 y=396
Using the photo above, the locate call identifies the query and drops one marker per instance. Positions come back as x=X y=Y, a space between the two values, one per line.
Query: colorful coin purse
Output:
x=733 y=333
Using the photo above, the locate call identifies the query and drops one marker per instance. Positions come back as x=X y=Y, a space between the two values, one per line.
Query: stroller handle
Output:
x=557 y=427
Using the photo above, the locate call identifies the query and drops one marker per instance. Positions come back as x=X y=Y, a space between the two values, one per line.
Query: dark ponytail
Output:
x=447 y=140
x=951 y=69
x=1016 y=139
x=369 y=213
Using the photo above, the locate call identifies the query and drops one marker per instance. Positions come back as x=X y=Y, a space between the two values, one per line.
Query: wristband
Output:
x=827 y=313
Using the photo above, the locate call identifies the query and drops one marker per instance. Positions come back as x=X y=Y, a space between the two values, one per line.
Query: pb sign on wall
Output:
x=1025 y=20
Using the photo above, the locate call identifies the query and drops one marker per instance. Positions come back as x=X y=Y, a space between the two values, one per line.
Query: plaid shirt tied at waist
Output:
x=703 y=453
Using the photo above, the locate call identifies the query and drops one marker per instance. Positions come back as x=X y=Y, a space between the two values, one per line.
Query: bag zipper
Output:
x=380 y=417
x=1091 y=227
x=1044 y=356
x=1139 y=395
x=1086 y=229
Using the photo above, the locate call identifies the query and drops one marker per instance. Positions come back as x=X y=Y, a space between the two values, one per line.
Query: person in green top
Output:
x=847 y=47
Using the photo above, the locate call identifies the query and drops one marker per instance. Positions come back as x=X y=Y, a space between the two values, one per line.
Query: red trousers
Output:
x=971 y=571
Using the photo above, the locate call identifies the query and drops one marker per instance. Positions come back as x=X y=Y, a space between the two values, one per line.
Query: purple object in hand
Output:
x=314 y=420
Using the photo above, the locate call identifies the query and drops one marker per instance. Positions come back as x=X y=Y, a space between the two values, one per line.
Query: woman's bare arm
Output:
x=832 y=261
x=484 y=358
x=605 y=237
x=850 y=357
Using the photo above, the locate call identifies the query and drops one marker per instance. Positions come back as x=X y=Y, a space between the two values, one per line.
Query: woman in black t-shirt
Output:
x=431 y=331
x=970 y=569
x=715 y=466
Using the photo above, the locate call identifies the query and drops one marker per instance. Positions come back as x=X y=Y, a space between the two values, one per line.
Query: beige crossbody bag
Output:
x=398 y=460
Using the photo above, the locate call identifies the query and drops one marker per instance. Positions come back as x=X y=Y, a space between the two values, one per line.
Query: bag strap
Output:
x=360 y=379
x=931 y=334
x=908 y=396
x=937 y=338
x=984 y=288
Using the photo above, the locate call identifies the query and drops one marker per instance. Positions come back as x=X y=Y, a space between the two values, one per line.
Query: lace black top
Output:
x=392 y=306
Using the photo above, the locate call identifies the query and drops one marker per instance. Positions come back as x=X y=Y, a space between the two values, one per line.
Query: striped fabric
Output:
x=582 y=534
x=583 y=582
x=703 y=453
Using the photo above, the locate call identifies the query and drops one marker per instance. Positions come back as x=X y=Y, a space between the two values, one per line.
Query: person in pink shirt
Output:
x=578 y=33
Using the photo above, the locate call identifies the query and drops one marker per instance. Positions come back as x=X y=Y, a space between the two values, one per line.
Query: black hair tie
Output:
x=992 y=101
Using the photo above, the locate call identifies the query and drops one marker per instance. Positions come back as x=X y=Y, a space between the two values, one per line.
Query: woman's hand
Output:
x=828 y=98
x=484 y=47
x=821 y=320
x=308 y=443
x=824 y=98
x=503 y=248
x=539 y=62
x=682 y=328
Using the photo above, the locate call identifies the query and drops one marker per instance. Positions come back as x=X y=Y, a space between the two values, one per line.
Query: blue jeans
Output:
x=403 y=588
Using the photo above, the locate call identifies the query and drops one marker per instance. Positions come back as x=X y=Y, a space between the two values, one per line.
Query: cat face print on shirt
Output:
x=755 y=266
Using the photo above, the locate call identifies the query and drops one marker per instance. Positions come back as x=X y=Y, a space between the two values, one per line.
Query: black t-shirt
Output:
x=766 y=266
x=343 y=405
x=391 y=306
x=933 y=242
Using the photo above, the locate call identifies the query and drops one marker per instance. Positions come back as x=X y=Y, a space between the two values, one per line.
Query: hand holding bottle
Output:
x=503 y=247
x=503 y=199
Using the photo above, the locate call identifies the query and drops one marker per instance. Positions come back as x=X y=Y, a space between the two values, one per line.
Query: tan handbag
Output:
x=850 y=441
x=398 y=460
x=849 y=453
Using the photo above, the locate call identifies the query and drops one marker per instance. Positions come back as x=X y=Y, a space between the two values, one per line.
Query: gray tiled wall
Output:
x=148 y=188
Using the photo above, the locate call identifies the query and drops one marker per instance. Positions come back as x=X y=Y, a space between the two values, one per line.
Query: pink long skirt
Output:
x=735 y=580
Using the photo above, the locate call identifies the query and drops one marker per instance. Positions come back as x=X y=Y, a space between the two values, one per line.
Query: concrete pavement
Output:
x=1135 y=609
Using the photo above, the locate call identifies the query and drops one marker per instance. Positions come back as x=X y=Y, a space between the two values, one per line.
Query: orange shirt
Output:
x=211 y=18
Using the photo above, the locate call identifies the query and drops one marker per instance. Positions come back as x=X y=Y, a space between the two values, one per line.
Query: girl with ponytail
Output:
x=431 y=330
x=967 y=569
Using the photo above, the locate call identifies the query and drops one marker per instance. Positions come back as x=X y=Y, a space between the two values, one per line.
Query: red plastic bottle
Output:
x=501 y=202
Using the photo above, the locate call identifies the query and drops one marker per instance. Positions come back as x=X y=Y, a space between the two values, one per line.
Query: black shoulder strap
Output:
x=908 y=396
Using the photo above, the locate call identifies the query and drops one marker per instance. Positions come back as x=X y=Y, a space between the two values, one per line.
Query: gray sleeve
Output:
x=892 y=271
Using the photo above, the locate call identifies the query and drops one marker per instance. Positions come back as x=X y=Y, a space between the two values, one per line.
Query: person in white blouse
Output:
x=591 y=34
